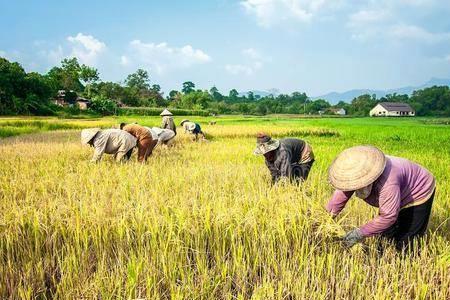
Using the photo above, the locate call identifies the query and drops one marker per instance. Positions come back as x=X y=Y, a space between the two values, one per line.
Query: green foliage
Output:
x=155 y=111
x=28 y=94
x=139 y=80
x=102 y=106
x=188 y=87
x=70 y=97
x=433 y=101
x=22 y=93
x=361 y=105
x=197 y=100
x=317 y=105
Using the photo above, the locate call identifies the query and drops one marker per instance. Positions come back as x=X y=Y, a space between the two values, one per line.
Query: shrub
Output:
x=155 y=111
x=104 y=107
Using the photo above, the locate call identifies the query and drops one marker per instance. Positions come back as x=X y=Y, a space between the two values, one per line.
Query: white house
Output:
x=392 y=109
x=338 y=111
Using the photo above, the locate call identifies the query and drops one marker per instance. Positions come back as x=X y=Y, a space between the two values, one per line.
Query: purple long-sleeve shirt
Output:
x=402 y=183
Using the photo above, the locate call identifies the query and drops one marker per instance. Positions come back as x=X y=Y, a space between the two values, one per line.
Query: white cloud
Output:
x=124 y=60
x=239 y=69
x=269 y=12
x=161 y=57
x=364 y=17
x=86 y=48
x=254 y=62
x=252 y=54
x=412 y=32
x=54 y=56
x=393 y=20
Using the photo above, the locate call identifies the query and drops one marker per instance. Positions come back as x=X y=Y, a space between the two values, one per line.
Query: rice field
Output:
x=202 y=220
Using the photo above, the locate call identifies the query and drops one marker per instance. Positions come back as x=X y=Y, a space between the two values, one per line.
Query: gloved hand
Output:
x=352 y=237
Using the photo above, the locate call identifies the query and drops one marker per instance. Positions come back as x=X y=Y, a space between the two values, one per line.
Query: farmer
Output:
x=110 y=141
x=167 y=121
x=163 y=136
x=145 y=142
x=285 y=158
x=402 y=190
x=193 y=128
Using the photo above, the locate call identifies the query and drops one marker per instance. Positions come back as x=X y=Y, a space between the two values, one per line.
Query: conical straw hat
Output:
x=356 y=167
x=166 y=112
x=88 y=134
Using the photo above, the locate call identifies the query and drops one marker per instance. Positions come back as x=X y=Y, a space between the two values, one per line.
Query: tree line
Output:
x=23 y=93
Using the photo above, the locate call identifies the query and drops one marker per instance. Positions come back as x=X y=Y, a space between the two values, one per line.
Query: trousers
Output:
x=411 y=222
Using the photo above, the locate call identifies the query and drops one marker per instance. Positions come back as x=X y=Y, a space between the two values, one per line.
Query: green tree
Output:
x=233 y=95
x=89 y=76
x=317 y=105
x=12 y=79
x=139 y=80
x=361 y=105
x=216 y=95
x=431 y=101
x=188 y=87
x=66 y=77
x=156 y=88
x=250 y=96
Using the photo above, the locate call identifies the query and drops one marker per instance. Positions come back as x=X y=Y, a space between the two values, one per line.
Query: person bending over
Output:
x=286 y=158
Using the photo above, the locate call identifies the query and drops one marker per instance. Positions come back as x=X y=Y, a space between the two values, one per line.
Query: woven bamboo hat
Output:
x=88 y=134
x=166 y=112
x=356 y=167
x=264 y=144
x=184 y=121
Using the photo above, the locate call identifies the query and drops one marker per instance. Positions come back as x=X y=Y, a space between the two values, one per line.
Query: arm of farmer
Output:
x=273 y=171
x=99 y=146
x=284 y=163
x=164 y=123
x=389 y=208
x=338 y=202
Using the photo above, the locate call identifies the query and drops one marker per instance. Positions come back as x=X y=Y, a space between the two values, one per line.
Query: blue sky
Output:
x=316 y=46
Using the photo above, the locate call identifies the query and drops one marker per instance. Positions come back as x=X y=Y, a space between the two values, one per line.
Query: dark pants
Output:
x=128 y=155
x=198 y=130
x=300 y=172
x=411 y=222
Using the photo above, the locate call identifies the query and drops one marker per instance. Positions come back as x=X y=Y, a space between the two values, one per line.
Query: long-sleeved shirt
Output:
x=162 y=135
x=112 y=141
x=190 y=126
x=138 y=131
x=168 y=123
x=291 y=151
x=402 y=184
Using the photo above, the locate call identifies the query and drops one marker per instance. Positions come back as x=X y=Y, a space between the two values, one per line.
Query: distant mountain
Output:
x=348 y=96
x=274 y=92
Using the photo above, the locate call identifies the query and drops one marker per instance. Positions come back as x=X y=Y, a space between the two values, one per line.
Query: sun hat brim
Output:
x=191 y=126
x=263 y=148
x=88 y=134
x=166 y=112
x=356 y=167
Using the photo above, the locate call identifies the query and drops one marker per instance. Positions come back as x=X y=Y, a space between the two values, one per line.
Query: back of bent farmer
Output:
x=110 y=141
x=285 y=158
x=402 y=190
x=167 y=121
x=145 y=142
